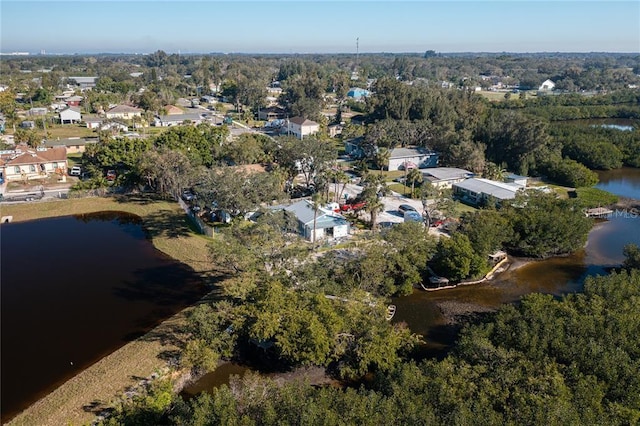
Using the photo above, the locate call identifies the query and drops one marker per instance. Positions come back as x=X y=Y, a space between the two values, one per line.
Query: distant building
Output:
x=334 y=130
x=93 y=122
x=172 y=110
x=70 y=115
x=445 y=177
x=357 y=93
x=272 y=113
x=547 y=86
x=37 y=112
x=301 y=127
x=73 y=100
x=84 y=82
x=124 y=112
x=177 y=119
x=72 y=145
x=407 y=158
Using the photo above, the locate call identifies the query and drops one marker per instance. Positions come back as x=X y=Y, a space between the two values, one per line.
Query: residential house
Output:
x=114 y=127
x=37 y=111
x=407 y=158
x=93 y=122
x=70 y=115
x=272 y=113
x=72 y=145
x=477 y=191
x=84 y=82
x=74 y=101
x=301 y=127
x=328 y=224
x=334 y=129
x=124 y=112
x=517 y=179
x=177 y=119
x=547 y=86
x=354 y=147
x=357 y=93
x=445 y=177
x=27 y=163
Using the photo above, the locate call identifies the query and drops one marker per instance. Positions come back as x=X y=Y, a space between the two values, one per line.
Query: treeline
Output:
x=573 y=360
x=533 y=225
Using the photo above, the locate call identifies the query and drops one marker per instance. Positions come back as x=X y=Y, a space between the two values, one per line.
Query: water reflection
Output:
x=74 y=289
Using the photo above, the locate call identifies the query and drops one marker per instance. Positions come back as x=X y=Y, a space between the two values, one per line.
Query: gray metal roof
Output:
x=447 y=173
x=180 y=117
x=303 y=210
x=499 y=190
x=409 y=152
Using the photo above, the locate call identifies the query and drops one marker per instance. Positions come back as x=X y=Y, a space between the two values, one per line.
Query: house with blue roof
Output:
x=357 y=93
x=328 y=224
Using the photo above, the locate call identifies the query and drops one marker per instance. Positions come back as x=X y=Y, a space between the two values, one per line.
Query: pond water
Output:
x=624 y=182
x=622 y=124
x=74 y=289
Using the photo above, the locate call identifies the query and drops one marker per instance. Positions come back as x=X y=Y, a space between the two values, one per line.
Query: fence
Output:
x=202 y=227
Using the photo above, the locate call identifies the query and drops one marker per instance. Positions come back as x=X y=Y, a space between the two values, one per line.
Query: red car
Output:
x=111 y=175
x=353 y=206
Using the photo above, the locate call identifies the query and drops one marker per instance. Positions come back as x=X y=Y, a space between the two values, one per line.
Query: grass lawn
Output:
x=70 y=131
x=100 y=384
x=463 y=208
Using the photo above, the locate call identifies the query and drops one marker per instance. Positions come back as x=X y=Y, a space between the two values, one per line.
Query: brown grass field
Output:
x=78 y=400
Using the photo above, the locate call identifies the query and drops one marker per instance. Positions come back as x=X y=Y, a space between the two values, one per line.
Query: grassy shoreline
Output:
x=76 y=401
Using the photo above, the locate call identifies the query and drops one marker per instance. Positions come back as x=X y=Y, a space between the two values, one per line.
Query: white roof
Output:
x=499 y=190
x=447 y=173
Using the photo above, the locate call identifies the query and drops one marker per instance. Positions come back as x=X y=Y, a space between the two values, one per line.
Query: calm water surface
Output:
x=75 y=289
x=557 y=276
x=624 y=182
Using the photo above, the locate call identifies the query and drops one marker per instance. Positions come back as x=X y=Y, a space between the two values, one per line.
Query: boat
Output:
x=391 y=311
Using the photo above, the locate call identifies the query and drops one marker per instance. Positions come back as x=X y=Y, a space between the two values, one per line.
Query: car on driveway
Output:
x=353 y=206
x=403 y=208
x=75 y=171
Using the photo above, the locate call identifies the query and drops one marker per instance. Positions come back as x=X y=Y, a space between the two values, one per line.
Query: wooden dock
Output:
x=598 y=212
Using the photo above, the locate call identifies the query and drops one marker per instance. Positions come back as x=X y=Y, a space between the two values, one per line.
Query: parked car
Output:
x=187 y=195
x=353 y=206
x=75 y=171
x=413 y=216
x=403 y=208
x=111 y=175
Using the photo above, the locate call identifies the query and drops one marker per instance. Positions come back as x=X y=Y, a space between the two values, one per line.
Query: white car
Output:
x=75 y=171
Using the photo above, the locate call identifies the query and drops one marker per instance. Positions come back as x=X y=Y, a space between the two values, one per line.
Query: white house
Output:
x=177 y=119
x=547 y=86
x=301 y=127
x=26 y=163
x=328 y=224
x=407 y=158
x=93 y=122
x=125 y=112
x=445 y=177
x=70 y=115
x=476 y=191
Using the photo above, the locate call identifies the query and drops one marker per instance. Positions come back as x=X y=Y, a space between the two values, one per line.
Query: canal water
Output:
x=430 y=313
x=74 y=289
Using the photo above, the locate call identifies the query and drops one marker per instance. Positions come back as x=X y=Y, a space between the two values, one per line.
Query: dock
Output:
x=598 y=212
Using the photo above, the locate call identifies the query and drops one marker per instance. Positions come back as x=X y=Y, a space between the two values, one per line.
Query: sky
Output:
x=328 y=26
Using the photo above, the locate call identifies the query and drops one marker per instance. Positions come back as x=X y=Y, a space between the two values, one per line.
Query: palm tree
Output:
x=374 y=206
x=414 y=176
x=382 y=158
x=315 y=199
